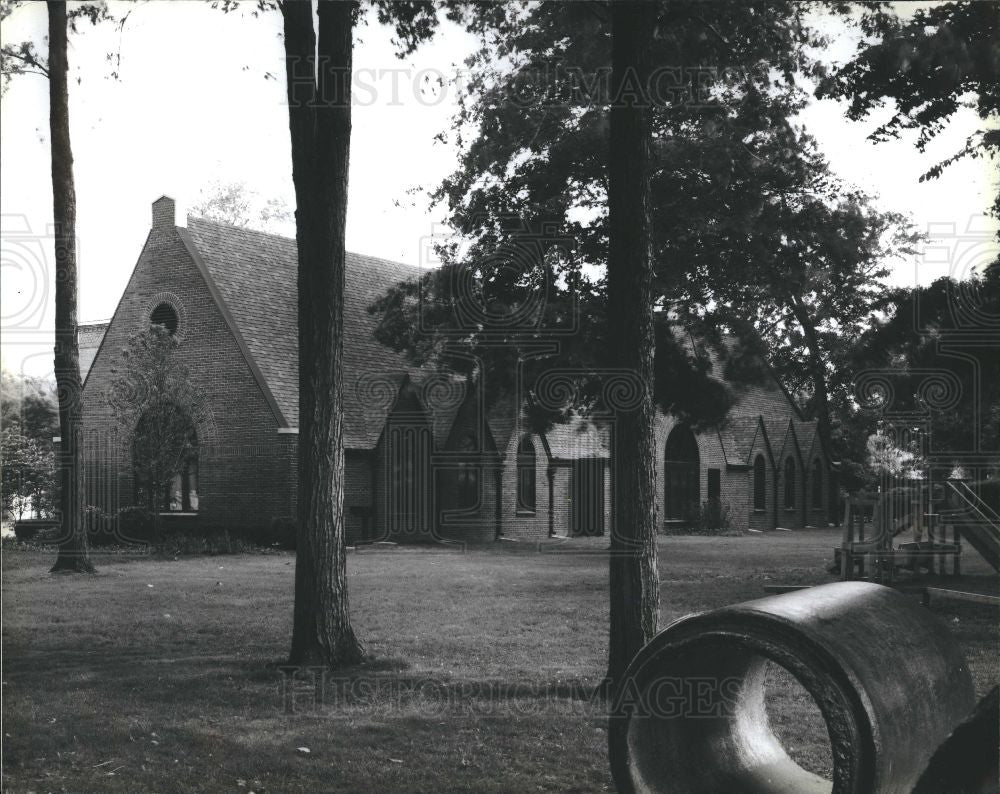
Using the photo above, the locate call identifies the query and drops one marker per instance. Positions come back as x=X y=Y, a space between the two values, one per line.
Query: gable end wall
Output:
x=245 y=466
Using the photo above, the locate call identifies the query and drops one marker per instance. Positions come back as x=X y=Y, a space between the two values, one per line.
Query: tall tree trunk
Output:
x=74 y=554
x=817 y=370
x=634 y=582
x=319 y=114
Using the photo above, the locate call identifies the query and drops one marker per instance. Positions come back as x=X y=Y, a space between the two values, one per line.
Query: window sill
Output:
x=521 y=513
x=177 y=514
x=759 y=511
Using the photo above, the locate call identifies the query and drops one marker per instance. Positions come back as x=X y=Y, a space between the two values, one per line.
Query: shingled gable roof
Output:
x=253 y=277
x=747 y=392
x=805 y=433
x=502 y=419
x=738 y=437
x=812 y=444
x=777 y=431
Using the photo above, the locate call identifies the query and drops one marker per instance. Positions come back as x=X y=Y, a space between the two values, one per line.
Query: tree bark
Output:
x=634 y=581
x=74 y=555
x=319 y=114
x=817 y=370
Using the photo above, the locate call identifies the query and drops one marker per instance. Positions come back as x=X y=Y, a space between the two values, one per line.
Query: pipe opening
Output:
x=797 y=722
x=702 y=725
x=739 y=699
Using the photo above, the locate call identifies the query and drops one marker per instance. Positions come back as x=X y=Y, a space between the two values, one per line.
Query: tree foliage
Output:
x=770 y=243
x=941 y=60
x=931 y=363
x=238 y=204
x=25 y=57
x=30 y=403
x=29 y=421
x=28 y=474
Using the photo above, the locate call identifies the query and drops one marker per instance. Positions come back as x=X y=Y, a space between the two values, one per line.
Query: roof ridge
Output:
x=235 y=227
x=293 y=241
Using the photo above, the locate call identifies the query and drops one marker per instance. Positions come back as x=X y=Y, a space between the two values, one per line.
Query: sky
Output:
x=200 y=98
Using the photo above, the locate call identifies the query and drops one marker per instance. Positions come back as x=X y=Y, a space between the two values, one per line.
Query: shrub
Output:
x=712 y=518
x=213 y=541
x=280 y=533
x=101 y=529
x=135 y=525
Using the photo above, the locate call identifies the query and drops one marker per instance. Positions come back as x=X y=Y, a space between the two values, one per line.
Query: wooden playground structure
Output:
x=915 y=527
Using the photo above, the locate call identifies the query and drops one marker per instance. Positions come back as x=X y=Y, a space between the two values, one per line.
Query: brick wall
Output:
x=761 y=519
x=515 y=521
x=245 y=476
x=790 y=517
x=737 y=495
x=562 y=505
x=359 y=518
x=478 y=523
x=711 y=455
x=661 y=430
x=816 y=510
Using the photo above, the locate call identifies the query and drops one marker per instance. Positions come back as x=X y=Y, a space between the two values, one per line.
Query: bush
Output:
x=213 y=541
x=712 y=518
x=40 y=530
x=280 y=533
x=135 y=525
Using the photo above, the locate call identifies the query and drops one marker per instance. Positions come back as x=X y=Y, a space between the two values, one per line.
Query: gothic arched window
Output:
x=817 y=484
x=759 y=483
x=467 y=480
x=526 y=475
x=165 y=460
x=789 y=482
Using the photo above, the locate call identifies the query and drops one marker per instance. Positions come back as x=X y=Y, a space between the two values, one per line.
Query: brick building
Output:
x=424 y=456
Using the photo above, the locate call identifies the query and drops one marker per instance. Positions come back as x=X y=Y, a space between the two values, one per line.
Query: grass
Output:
x=159 y=675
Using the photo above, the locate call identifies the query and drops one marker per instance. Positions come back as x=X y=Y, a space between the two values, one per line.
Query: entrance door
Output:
x=587 y=494
x=408 y=497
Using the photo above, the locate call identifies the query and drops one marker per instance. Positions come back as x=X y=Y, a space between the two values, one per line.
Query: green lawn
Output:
x=163 y=675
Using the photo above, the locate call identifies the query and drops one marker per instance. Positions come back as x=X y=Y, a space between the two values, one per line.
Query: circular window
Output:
x=165 y=314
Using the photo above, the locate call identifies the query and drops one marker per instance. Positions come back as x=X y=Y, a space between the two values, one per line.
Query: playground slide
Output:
x=984 y=538
x=977 y=521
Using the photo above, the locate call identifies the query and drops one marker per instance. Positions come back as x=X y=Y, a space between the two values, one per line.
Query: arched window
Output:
x=165 y=460
x=526 y=475
x=789 y=482
x=682 y=480
x=165 y=315
x=759 y=483
x=467 y=485
x=817 y=484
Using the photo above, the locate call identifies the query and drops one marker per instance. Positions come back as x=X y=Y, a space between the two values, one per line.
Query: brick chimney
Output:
x=165 y=214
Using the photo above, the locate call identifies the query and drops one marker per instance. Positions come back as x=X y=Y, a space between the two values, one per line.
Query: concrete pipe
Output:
x=887 y=676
